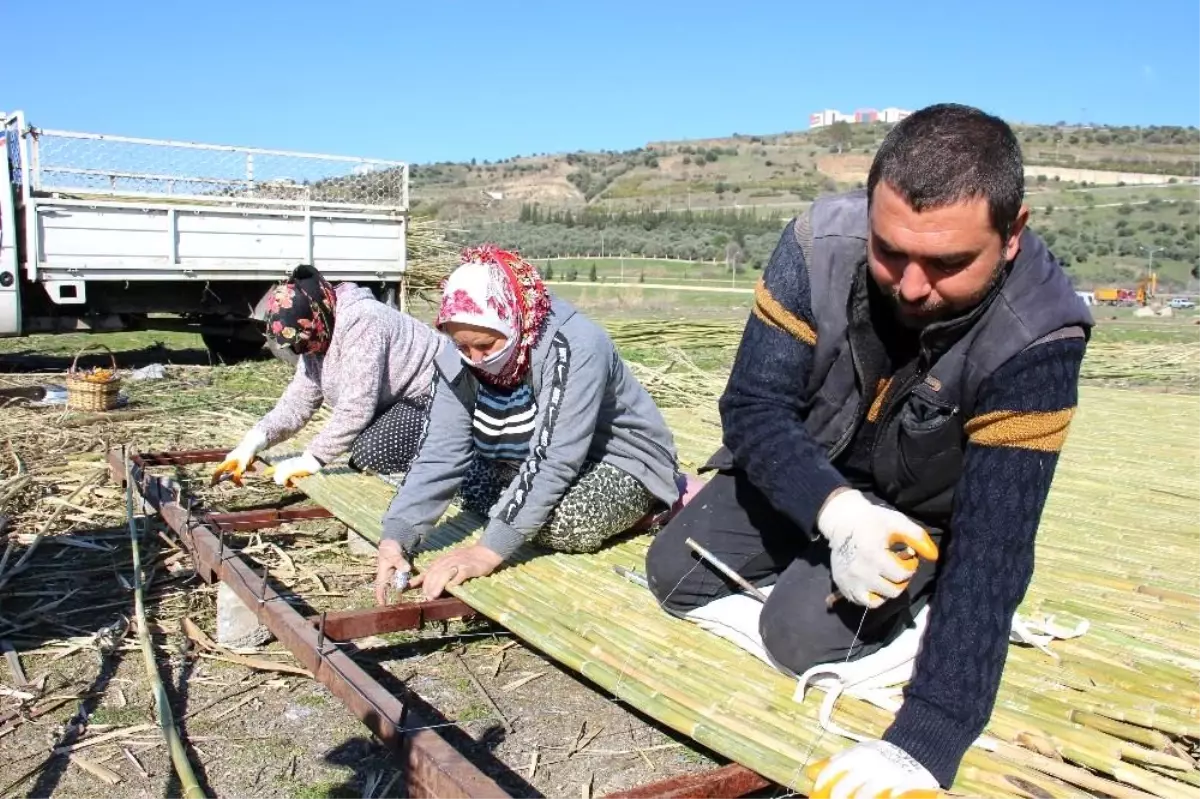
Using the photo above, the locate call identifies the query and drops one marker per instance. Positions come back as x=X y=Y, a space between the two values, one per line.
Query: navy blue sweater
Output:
x=1021 y=418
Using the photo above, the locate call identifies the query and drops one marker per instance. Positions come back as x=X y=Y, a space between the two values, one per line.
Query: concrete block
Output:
x=237 y=625
x=358 y=545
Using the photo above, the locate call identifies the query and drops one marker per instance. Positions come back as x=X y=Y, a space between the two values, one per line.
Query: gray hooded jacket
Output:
x=590 y=408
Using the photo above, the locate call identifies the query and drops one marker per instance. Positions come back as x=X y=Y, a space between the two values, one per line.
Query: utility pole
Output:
x=1150 y=264
x=1150 y=252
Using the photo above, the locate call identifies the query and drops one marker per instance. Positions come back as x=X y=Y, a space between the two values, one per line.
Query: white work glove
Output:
x=292 y=469
x=872 y=769
x=867 y=543
x=240 y=457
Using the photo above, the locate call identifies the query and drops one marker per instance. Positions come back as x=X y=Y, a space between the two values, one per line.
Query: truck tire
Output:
x=233 y=349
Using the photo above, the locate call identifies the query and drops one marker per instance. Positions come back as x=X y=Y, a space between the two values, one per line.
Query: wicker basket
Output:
x=87 y=392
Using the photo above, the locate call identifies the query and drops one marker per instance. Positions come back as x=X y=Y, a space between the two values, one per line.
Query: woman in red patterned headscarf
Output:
x=536 y=423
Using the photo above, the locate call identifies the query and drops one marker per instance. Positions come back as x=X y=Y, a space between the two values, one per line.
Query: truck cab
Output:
x=101 y=232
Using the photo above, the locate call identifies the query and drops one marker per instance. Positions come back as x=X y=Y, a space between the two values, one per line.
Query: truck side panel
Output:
x=121 y=242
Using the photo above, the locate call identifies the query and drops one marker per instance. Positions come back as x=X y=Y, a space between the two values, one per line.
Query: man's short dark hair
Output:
x=949 y=153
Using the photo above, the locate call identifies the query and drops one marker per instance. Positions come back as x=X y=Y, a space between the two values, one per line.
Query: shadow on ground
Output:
x=34 y=361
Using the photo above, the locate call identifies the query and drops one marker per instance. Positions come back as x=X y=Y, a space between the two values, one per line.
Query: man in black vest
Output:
x=892 y=424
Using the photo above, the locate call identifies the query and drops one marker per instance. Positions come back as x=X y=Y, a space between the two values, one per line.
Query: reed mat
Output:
x=1115 y=712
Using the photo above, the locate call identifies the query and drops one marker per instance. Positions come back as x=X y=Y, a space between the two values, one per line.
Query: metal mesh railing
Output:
x=87 y=164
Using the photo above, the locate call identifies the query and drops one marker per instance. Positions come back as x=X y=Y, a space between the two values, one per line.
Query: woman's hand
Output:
x=239 y=459
x=390 y=561
x=455 y=568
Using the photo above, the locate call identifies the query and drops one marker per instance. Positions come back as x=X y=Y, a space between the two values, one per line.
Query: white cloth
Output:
x=489 y=304
x=735 y=618
x=877 y=678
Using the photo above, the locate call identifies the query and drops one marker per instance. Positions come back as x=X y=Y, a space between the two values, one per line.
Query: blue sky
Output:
x=445 y=80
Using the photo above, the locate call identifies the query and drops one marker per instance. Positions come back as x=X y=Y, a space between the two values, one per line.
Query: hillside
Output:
x=781 y=169
x=706 y=199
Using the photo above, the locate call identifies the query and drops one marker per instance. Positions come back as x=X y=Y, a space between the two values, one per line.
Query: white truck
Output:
x=101 y=233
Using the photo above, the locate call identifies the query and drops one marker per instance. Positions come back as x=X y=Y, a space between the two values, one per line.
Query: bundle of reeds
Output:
x=432 y=254
x=677 y=382
x=677 y=333
x=1115 y=712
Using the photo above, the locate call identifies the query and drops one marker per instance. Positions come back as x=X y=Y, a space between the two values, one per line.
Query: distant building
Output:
x=827 y=117
x=893 y=115
x=820 y=119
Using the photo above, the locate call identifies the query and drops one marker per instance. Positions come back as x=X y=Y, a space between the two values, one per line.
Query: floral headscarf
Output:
x=300 y=312
x=498 y=290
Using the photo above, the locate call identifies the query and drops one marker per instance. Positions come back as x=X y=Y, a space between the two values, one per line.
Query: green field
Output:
x=1103 y=235
x=601 y=302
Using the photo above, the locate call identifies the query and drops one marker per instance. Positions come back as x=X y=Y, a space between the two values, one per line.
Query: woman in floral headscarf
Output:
x=370 y=363
x=536 y=423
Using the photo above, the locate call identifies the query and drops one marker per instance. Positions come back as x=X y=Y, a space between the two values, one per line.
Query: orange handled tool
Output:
x=902 y=551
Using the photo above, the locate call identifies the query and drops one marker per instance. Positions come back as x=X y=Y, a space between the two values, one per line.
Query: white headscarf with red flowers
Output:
x=498 y=290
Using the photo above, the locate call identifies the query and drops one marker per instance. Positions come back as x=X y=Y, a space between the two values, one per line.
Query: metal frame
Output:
x=431 y=766
x=10 y=262
x=37 y=179
x=16 y=123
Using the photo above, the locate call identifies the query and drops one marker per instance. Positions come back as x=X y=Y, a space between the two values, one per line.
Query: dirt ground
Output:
x=77 y=714
x=78 y=717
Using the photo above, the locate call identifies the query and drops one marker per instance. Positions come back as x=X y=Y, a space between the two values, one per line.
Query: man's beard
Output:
x=920 y=315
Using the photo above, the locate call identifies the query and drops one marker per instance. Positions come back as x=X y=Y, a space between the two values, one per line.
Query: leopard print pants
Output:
x=602 y=502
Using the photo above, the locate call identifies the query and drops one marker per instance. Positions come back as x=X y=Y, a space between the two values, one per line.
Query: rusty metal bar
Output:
x=726 y=782
x=243 y=520
x=184 y=458
x=432 y=766
x=347 y=625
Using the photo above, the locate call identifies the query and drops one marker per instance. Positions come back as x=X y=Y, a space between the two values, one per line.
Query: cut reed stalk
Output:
x=187 y=777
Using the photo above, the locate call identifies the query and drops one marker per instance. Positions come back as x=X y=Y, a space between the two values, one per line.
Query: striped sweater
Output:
x=503 y=421
x=1017 y=430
